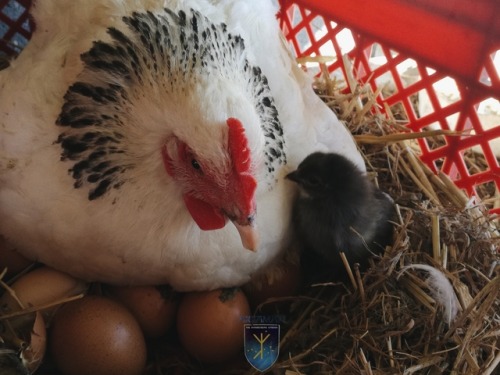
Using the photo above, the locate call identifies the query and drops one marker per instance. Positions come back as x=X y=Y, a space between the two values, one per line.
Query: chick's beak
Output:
x=248 y=233
x=293 y=176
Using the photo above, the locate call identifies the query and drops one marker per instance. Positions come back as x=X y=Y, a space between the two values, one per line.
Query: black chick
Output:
x=338 y=210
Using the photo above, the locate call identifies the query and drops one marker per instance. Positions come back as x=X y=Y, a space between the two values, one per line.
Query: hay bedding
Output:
x=387 y=321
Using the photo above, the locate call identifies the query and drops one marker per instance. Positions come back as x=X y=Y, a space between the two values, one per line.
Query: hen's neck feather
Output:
x=113 y=118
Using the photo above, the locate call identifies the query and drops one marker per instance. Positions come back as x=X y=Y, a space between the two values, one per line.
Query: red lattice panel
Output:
x=15 y=26
x=446 y=54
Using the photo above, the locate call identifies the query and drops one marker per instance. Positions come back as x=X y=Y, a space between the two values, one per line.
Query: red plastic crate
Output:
x=453 y=42
x=449 y=42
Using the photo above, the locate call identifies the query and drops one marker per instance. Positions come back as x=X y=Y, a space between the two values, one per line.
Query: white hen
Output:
x=131 y=131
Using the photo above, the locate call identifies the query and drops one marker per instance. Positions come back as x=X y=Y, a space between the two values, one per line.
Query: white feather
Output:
x=441 y=290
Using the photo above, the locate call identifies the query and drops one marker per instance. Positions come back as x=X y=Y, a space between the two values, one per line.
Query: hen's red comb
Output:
x=238 y=146
x=240 y=155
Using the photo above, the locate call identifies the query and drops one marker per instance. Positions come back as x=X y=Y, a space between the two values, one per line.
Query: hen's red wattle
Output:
x=205 y=215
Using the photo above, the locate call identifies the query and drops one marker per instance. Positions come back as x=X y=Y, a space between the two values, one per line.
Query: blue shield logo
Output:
x=262 y=345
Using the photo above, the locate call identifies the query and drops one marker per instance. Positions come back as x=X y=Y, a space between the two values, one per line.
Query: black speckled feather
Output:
x=166 y=50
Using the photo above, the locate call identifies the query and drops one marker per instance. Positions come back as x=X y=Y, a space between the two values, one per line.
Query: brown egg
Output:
x=210 y=324
x=283 y=281
x=96 y=335
x=153 y=307
x=11 y=259
x=42 y=286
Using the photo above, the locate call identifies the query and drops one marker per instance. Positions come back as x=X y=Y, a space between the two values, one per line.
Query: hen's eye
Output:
x=196 y=165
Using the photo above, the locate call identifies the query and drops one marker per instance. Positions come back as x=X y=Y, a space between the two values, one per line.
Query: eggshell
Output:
x=210 y=324
x=11 y=259
x=40 y=287
x=153 y=307
x=33 y=355
x=96 y=335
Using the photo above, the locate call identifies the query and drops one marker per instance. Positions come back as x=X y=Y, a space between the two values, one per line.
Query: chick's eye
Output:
x=313 y=181
x=195 y=164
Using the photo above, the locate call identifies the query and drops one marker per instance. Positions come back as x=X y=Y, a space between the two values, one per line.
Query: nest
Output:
x=391 y=318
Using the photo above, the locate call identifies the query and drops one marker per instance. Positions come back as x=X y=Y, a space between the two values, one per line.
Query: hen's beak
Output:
x=248 y=234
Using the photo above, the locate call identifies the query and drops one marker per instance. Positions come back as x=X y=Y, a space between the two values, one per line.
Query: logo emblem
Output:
x=262 y=345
